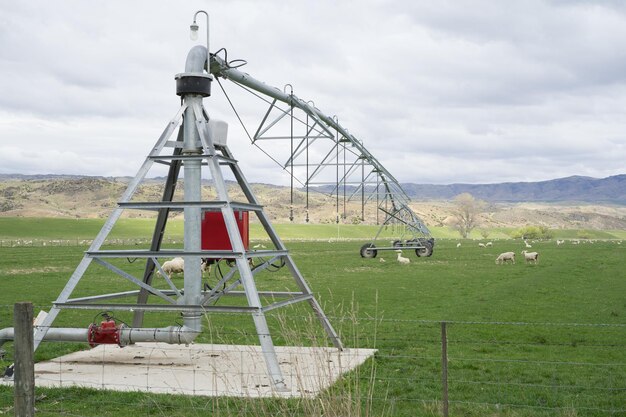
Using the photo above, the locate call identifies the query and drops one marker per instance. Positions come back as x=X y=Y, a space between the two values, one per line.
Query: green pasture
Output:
x=13 y=228
x=523 y=340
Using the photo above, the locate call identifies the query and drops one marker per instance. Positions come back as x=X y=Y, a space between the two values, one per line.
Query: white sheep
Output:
x=458 y=245
x=489 y=244
x=530 y=256
x=402 y=259
x=173 y=266
x=528 y=245
x=559 y=242
x=177 y=266
x=504 y=257
x=382 y=260
x=481 y=245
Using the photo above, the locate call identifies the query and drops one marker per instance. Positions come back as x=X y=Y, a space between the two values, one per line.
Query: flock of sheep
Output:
x=401 y=259
x=505 y=257
x=530 y=257
x=177 y=265
x=509 y=257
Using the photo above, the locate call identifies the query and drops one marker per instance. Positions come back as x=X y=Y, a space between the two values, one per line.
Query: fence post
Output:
x=444 y=368
x=24 y=373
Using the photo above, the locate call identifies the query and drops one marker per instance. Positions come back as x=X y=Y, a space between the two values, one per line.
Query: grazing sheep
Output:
x=530 y=256
x=177 y=266
x=559 y=242
x=481 y=245
x=504 y=257
x=458 y=245
x=402 y=259
x=382 y=260
x=488 y=244
x=173 y=266
x=528 y=245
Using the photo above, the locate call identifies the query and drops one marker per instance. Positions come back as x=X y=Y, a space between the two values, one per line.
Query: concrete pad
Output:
x=199 y=369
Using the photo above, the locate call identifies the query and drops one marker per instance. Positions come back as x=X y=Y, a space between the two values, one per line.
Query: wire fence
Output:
x=415 y=367
x=38 y=243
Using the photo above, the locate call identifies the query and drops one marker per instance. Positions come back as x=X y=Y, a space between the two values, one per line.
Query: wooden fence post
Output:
x=24 y=372
x=444 y=368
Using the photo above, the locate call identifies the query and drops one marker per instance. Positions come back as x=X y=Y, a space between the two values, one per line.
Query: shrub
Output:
x=532 y=232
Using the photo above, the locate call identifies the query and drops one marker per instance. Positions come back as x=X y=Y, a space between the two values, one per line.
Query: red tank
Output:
x=214 y=233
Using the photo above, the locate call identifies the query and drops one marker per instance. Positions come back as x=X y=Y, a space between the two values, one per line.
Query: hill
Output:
x=95 y=197
x=571 y=189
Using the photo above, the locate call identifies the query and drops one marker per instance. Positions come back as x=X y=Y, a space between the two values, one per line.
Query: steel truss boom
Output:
x=220 y=68
x=377 y=183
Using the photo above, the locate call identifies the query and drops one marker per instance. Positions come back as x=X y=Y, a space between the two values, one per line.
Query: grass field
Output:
x=22 y=228
x=524 y=340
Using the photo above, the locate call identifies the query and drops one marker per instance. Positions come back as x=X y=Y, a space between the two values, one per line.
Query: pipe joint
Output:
x=194 y=80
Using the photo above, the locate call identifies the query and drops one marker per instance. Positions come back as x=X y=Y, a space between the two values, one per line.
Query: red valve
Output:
x=106 y=333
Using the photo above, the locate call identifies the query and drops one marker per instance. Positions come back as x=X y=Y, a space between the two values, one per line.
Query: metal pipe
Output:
x=54 y=334
x=196 y=60
x=128 y=335
x=171 y=334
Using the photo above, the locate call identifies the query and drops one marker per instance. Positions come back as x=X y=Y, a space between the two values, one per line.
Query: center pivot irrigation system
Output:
x=216 y=229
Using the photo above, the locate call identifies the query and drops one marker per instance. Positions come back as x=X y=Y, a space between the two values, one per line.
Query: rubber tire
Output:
x=427 y=250
x=368 y=253
x=397 y=244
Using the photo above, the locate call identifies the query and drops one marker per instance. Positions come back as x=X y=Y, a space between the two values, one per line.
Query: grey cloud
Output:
x=528 y=90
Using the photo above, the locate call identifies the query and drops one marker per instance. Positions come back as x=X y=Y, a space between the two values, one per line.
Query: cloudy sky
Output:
x=474 y=91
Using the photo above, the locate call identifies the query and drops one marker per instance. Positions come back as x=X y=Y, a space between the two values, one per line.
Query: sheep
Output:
x=402 y=259
x=488 y=244
x=177 y=265
x=530 y=256
x=528 y=245
x=505 y=256
x=458 y=245
x=382 y=260
x=559 y=242
x=481 y=245
x=173 y=266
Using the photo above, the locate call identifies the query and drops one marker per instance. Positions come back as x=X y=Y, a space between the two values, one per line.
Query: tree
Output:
x=466 y=213
x=532 y=232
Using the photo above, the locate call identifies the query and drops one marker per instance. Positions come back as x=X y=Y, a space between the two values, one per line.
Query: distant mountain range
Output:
x=573 y=189
x=570 y=189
